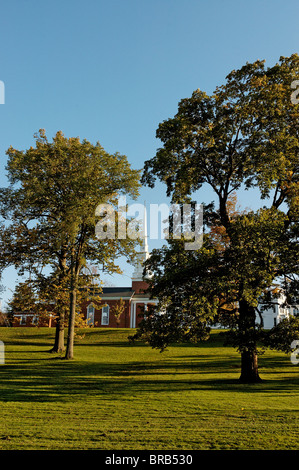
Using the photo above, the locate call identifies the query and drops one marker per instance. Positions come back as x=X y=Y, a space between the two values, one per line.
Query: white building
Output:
x=278 y=311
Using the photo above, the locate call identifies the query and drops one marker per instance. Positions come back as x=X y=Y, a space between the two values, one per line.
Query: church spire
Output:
x=145 y=230
x=143 y=253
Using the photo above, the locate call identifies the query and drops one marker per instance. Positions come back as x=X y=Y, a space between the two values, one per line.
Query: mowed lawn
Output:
x=115 y=396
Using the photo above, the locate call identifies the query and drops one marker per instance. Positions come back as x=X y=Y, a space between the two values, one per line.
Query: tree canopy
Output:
x=49 y=209
x=244 y=135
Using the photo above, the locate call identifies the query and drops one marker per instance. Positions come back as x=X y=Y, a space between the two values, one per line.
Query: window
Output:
x=90 y=314
x=105 y=315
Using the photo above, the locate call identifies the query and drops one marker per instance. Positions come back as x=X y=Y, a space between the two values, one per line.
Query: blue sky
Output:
x=110 y=71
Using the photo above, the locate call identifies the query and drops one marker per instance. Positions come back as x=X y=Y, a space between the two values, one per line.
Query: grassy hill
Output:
x=114 y=395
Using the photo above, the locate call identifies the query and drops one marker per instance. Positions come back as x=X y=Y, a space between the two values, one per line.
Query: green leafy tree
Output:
x=46 y=296
x=30 y=244
x=245 y=135
x=24 y=301
x=55 y=188
x=283 y=335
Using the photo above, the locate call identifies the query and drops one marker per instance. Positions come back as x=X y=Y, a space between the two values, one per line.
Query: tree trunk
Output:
x=71 y=329
x=75 y=270
x=247 y=344
x=59 y=333
x=249 y=367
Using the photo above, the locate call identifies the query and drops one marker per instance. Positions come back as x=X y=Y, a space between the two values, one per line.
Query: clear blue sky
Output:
x=111 y=70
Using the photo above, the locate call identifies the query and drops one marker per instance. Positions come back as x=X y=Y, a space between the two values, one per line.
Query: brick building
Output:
x=132 y=300
x=121 y=307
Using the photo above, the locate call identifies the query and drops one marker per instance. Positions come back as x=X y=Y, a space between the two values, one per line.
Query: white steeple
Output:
x=143 y=253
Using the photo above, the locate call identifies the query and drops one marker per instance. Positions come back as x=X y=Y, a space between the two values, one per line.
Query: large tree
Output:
x=31 y=246
x=50 y=209
x=244 y=135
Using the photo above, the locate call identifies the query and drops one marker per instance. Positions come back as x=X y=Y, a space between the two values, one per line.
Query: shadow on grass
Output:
x=35 y=375
x=54 y=379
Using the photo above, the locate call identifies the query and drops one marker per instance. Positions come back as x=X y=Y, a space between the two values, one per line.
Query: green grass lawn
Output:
x=115 y=396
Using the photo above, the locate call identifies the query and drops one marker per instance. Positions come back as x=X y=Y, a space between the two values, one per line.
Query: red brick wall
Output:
x=139 y=286
x=124 y=318
x=48 y=322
